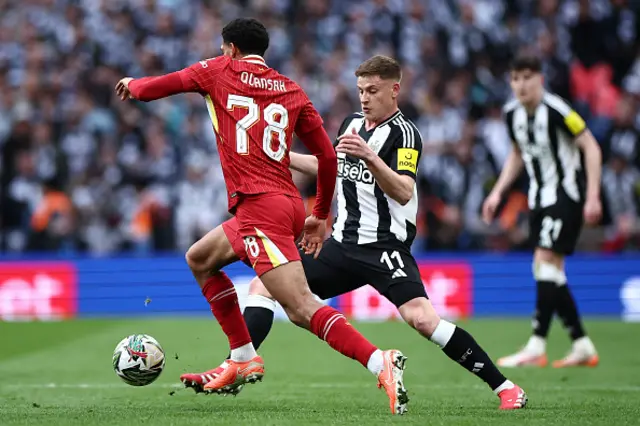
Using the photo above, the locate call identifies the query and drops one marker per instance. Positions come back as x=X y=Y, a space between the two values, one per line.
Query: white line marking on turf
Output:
x=443 y=386
x=83 y=386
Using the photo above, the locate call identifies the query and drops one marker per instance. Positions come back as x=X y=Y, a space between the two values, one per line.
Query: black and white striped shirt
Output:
x=365 y=213
x=546 y=140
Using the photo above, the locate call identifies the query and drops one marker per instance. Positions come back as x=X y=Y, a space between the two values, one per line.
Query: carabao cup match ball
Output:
x=138 y=360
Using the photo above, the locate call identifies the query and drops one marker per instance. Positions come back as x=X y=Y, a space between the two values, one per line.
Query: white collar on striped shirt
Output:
x=254 y=59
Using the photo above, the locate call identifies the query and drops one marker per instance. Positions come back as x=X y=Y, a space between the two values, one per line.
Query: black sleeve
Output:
x=508 y=120
x=343 y=128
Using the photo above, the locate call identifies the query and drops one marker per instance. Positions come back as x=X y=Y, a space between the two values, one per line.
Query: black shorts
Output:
x=389 y=267
x=557 y=227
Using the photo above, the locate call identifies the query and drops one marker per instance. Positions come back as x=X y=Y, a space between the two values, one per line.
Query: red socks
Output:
x=332 y=327
x=222 y=297
x=327 y=323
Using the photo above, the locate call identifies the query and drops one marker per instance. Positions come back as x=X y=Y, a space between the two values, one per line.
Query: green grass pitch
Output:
x=60 y=373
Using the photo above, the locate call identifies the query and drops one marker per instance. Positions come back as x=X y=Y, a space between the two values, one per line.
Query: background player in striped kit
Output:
x=550 y=140
x=378 y=153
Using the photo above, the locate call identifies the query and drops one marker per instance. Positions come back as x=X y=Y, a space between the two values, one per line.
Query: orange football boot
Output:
x=523 y=358
x=583 y=354
x=234 y=375
x=196 y=381
x=390 y=378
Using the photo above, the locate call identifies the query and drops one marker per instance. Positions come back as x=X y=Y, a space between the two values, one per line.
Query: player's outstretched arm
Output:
x=304 y=163
x=326 y=167
x=511 y=170
x=571 y=123
x=324 y=163
x=152 y=88
x=593 y=165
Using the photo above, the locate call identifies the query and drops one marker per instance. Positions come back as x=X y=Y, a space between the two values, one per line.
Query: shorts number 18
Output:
x=251 y=246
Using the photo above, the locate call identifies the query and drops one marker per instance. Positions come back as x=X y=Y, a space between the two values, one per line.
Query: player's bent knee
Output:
x=420 y=315
x=193 y=260
x=425 y=324
x=545 y=271
x=211 y=253
x=198 y=259
x=298 y=316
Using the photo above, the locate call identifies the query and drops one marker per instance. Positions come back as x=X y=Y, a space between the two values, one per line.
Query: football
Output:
x=138 y=360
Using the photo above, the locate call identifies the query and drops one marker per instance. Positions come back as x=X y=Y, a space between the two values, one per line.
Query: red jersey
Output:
x=254 y=111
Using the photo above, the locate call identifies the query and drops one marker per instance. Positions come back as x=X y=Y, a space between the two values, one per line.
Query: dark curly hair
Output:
x=249 y=35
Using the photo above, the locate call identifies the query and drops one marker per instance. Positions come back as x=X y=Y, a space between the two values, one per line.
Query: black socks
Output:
x=461 y=347
x=545 y=307
x=259 y=321
x=568 y=312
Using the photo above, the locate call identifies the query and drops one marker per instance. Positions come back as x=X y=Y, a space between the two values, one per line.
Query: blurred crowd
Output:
x=83 y=172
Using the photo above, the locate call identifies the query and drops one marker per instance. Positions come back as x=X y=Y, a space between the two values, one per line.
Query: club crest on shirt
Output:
x=376 y=143
x=535 y=151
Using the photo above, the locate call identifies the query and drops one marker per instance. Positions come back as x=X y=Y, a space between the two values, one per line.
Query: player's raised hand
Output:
x=122 y=89
x=352 y=144
x=490 y=206
x=592 y=211
x=313 y=236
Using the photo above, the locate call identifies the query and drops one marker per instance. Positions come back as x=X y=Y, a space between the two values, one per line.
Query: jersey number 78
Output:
x=275 y=116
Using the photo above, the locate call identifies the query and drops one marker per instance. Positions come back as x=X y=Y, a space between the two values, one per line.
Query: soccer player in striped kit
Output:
x=378 y=153
x=552 y=142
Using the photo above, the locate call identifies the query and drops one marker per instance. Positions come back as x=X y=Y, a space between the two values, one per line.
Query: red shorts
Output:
x=264 y=231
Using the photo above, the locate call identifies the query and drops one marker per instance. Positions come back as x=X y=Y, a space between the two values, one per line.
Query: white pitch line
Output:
x=444 y=386
x=83 y=386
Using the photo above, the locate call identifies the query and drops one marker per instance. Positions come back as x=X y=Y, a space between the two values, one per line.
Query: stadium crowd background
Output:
x=83 y=172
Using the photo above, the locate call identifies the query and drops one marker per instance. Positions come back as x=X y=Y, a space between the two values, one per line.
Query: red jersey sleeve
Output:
x=308 y=120
x=318 y=142
x=196 y=78
x=151 y=88
x=202 y=74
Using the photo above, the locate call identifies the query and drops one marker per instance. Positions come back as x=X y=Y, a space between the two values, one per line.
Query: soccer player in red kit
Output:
x=255 y=111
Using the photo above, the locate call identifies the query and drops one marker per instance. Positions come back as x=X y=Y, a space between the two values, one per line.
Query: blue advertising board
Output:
x=459 y=285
